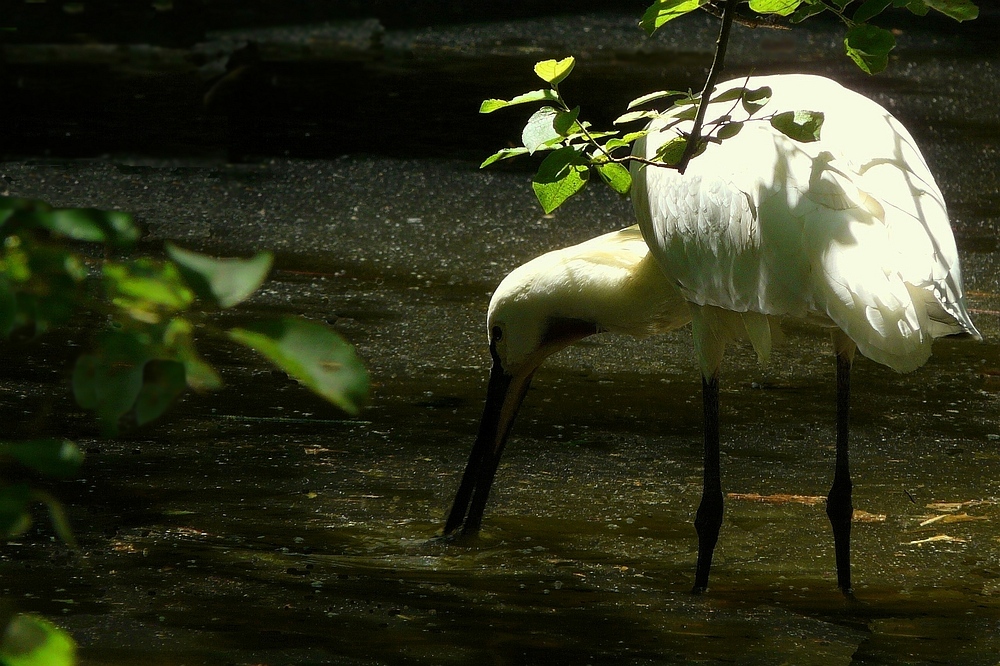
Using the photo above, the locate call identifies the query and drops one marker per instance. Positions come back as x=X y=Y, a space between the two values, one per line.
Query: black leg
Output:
x=838 y=504
x=709 y=518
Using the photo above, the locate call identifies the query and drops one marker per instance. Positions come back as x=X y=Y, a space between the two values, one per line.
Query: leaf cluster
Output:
x=577 y=151
x=867 y=45
x=155 y=309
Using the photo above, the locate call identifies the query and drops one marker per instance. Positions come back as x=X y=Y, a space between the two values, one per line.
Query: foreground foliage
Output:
x=578 y=150
x=143 y=355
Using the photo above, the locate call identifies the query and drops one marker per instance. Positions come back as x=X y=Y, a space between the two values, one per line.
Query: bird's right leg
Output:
x=839 y=506
x=709 y=518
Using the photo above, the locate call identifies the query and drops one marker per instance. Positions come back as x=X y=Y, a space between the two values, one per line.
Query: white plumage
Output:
x=849 y=232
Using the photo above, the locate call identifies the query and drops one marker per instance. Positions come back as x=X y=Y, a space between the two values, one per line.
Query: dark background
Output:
x=239 y=80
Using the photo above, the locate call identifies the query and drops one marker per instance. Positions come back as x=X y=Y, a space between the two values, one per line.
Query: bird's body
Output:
x=849 y=232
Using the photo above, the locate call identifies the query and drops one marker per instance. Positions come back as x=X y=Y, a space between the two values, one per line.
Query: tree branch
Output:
x=694 y=138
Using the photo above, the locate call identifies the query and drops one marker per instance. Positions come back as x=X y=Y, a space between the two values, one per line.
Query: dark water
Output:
x=258 y=526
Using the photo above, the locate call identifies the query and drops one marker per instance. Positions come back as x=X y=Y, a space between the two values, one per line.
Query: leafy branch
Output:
x=577 y=150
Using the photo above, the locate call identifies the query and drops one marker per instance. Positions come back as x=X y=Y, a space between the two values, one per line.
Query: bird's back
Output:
x=850 y=229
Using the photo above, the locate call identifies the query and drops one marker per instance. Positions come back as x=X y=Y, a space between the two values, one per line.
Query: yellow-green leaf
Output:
x=554 y=72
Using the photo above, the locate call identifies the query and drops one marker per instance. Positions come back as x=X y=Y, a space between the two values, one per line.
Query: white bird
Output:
x=849 y=231
x=609 y=283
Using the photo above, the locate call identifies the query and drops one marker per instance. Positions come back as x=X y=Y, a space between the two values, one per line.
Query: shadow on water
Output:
x=259 y=526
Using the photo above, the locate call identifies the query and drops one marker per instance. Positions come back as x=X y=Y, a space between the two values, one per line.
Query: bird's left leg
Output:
x=708 y=520
x=839 y=507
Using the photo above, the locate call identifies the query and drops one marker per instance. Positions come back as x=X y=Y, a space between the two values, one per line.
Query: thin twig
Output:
x=694 y=138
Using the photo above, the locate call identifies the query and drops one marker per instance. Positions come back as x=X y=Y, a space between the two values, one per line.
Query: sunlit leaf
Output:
x=672 y=151
x=560 y=175
x=625 y=140
x=544 y=95
x=88 y=224
x=505 y=153
x=632 y=116
x=869 y=46
x=146 y=285
x=652 y=97
x=804 y=126
x=554 y=72
x=616 y=176
x=178 y=341
x=780 y=7
x=53 y=457
x=539 y=129
x=30 y=640
x=960 y=10
x=312 y=354
x=221 y=282
x=565 y=121
x=663 y=11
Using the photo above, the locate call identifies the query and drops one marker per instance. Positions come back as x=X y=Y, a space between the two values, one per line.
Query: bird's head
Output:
x=609 y=283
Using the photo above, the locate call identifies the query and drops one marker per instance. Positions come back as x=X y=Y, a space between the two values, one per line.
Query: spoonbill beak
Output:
x=503 y=399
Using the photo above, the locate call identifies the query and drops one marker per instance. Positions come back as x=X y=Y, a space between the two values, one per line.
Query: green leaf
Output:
x=652 y=97
x=729 y=130
x=145 y=286
x=960 y=10
x=29 y=640
x=560 y=175
x=52 y=457
x=178 y=342
x=663 y=11
x=672 y=151
x=312 y=354
x=109 y=380
x=554 y=72
x=88 y=224
x=805 y=11
x=221 y=282
x=8 y=309
x=14 y=517
x=545 y=95
x=503 y=154
x=540 y=129
x=626 y=140
x=869 y=46
x=780 y=7
x=565 y=122
x=728 y=95
x=163 y=382
x=632 y=116
x=754 y=100
x=804 y=126
x=870 y=9
x=616 y=176
x=918 y=7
